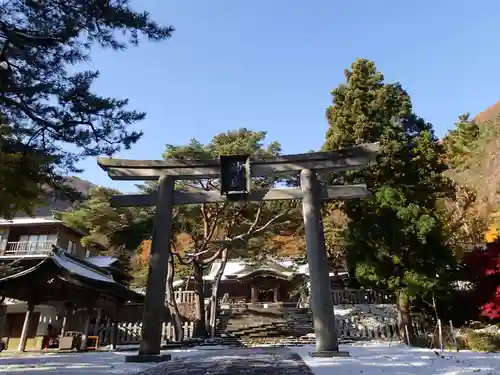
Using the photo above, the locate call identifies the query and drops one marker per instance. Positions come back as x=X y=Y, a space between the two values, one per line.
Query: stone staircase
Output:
x=274 y=325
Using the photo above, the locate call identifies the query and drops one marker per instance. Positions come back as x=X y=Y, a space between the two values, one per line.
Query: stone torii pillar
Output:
x=168 y=171
x=321 y=300
x=154 y=305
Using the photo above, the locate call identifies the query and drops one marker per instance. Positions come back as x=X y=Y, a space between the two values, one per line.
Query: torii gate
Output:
x=311 y=192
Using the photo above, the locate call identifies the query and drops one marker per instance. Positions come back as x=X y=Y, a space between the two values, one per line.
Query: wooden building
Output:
x=75 y=289
x=270 y=281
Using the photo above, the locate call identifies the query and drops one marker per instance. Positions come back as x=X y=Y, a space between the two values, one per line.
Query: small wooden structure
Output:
x=311 y=192
x=67 y=282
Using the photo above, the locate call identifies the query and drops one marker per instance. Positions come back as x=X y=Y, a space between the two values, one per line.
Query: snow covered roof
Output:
x=29 y=221
x=37 y=220
x=241 y=268
x=176 y=284
x=62 y=272
x=81 y=267
x=102 y=261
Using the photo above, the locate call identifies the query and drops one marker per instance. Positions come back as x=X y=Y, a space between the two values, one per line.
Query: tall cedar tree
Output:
x=394 y=238
x=49 y=115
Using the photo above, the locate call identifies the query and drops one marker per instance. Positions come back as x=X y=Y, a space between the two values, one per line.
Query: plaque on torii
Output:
x=235 y=173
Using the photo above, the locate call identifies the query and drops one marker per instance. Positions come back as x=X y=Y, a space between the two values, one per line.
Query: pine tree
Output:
x=53 y=116
x=394 y=238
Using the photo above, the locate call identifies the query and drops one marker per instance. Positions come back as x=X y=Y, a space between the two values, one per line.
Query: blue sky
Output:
x=271 y=64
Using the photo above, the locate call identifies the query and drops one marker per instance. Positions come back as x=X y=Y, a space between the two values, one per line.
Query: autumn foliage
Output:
x=482 y=268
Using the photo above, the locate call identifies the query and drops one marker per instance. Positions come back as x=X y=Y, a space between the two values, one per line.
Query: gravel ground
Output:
x=244 y=361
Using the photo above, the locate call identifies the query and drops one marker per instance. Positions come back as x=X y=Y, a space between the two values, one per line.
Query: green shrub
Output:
x=421 y=341
x=460 y=345
x=476 y=325
x=483 y=342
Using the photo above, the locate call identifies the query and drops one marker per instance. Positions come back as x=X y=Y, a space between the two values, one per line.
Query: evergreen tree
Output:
x=51 y=113
x=120 y=229
x=21 y=174
x=394 y=238
x=460 y=142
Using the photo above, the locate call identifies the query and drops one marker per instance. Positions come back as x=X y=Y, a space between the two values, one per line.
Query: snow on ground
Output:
x=373 y=358
x=90 y=363
x=377 y=358
x=371 y=316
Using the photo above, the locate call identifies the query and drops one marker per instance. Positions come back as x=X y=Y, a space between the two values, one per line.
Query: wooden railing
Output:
x=184 y=296
x=28 y=247
x=130 y=333
x=360 y=296
x=340 y=297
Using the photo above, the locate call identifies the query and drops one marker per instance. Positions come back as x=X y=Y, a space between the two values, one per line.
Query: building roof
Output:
x=239 y=268
x=103 y=261
x=29 y=221
x=62 y=277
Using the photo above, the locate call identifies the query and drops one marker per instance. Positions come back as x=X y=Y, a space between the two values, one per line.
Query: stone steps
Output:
x=268 y=326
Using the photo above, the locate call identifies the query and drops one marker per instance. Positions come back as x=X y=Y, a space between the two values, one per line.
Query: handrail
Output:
x=28 y=247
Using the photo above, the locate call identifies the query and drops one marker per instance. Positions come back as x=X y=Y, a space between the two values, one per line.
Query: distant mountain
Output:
x=77 y=189
x=481 y=169
x=81 y=186
x=489 y=114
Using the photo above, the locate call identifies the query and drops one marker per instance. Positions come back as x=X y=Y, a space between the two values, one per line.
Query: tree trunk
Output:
x=215 y=294
x=405 y=322
x=200 y=328
x=172 y=303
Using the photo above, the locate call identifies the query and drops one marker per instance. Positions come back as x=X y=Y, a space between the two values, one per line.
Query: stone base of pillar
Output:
x=329 y=354
x=148 y=358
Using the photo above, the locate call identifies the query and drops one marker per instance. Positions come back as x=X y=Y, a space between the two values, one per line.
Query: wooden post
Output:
x=24 y=333
x=254 y=294
x=154 y=305
x=3 y=316
x=69 y=310
x=97 y=322
x=114 y=335
x=277 y=293
x=86 y=323
x=64 y=323
x=440 y=334
x=321 y=291
x=453 y=336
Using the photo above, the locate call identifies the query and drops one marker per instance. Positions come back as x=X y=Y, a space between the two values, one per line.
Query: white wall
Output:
x=48 y=315
x=4 y=234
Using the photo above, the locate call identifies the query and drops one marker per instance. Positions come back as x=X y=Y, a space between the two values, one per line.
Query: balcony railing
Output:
x=28 y=247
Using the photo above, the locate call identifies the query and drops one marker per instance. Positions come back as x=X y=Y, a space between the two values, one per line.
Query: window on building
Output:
x=71 y=247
